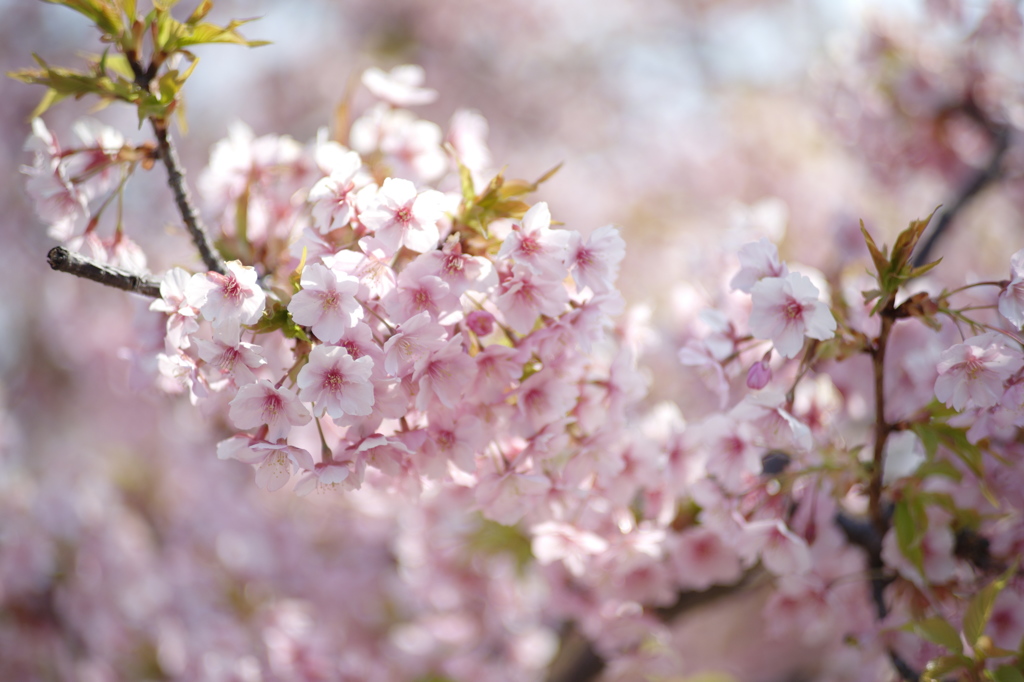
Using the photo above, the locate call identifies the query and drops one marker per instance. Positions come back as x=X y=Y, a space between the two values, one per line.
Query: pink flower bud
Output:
x=759 y=375
x=480 y=322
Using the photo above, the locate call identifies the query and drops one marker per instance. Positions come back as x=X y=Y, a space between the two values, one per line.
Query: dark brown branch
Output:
x=882 y=427
x=992 y=171
x=576 y=660
x=62 y=260
x=176 y=179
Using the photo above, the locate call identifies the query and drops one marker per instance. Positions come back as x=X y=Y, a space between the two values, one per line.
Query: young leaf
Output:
x=1007 y=673
x=878 y=257
x=939 y=668
x=910 y=533
x=980 y=609
x=938 y=631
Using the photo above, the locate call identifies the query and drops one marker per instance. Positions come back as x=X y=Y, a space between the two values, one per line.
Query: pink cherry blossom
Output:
x=700 y=559
x=1011 y=299
x=595 y=262
x=322 y=477
x=781 y=551
x=412 y=341
x=443 y=376
x=333 y=198
x=402 y=86
x=227 y=300
x=558 y=541
x=456 y=438
x=534 y=244
x=786 y=309
x=506 y=497
x=759 y=260
x=274 y=462
x=262 y=404
x=459 y=271
x=416 y=294
x=336 y=383
x=467 y=134
x=372 y=267
x=971 y=374
x=525 y=296
x=543 y=398
x=57 y=201
x=497 y=368
x=94 y=169
x=401 y=216
x=181 y=317
x=232 y=356
x=326 y=303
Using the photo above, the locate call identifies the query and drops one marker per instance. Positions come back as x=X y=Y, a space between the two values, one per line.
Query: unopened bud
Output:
x=759 y=375
x=480 y=322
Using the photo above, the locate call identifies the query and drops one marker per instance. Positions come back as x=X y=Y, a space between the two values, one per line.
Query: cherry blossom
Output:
x=401 y=86
x=228 y=300
x=326 y=303
x=971 y=374
x=759 y=260
x=595 y=262
x=263 y=404
x=336 y=383
x=181 y=317
x=274 y=462
x=534 y=244
x=402 y=216
x=525 y=296
x=333 y=197
x=786 y=309
x=443 y=375
x=232 y=356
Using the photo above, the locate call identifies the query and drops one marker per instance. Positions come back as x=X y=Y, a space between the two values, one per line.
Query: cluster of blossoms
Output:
x=423 y=348
x=394 y=319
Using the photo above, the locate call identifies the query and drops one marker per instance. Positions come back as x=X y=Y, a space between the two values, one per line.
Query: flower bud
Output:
x=480 y=322
x=759 y=375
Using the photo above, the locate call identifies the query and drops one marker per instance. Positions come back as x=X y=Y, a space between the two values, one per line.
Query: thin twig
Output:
x=176 y=179
x=62 y=260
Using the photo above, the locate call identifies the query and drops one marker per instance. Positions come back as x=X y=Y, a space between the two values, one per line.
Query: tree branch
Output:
x=176 y=179
x=62 y=260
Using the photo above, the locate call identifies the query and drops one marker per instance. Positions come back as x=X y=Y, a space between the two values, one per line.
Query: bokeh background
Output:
x=128 y=551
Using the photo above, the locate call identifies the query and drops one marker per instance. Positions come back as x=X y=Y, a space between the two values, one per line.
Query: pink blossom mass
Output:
x=513 y=342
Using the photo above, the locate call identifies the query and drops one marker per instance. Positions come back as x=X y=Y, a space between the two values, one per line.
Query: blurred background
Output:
x=128 y=551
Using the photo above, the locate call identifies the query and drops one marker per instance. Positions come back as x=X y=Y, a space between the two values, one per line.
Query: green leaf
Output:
x=48 y=100
x=938 y=631
x=1007 y=673
x=940 y=667
x=206 y=33
x=980 y=609
x=107 y=17
x=911 y=523
x=200 y=12
x=494 y=538
x=940 y=467
x=128 y=7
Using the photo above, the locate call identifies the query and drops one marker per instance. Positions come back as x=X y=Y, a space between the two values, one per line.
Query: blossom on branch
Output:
x=786 y=309
x=971 y=374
